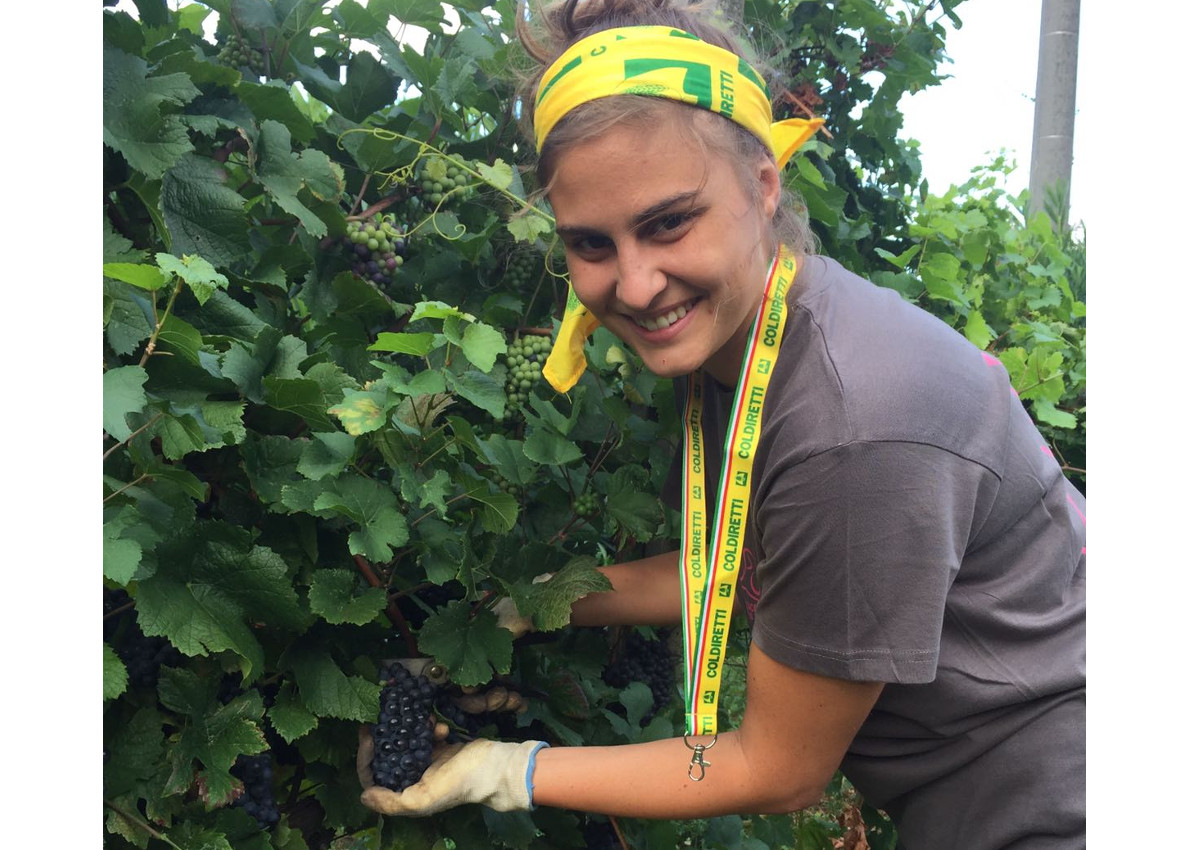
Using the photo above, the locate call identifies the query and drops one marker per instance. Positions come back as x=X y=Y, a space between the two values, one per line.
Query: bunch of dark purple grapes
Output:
x=143 y=656
x=647 y=660
x=258 y=796
x=376 y=248
x=404 y=734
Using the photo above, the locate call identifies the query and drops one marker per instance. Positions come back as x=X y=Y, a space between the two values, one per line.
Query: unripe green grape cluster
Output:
x=522 y=269
x=524 y=360
x=237 y=52
x=441 y=181
x=586 y=503
x=376 y=247
x=504 y=484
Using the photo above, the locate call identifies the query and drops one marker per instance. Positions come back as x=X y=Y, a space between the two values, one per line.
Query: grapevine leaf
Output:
x=528 y=227
x=121 y=556
x=270 y=463
x=116 y=678
x=425 y=490
x=325 y=690
x=127 y=325
x=509 y=459
x=133 y=121
x=977 y=330
x=196 y=272
x=331 y=595
x=369 y=87
x=272 y=353
x=135 y=752
x=419 y=344
x=284 y=174
x=181 y=435
x=301 y=397
x=374 y=508
x=638 y=701
x=550 y=448
x=178 y=336
x=1046 y=412
x=326 y=454
x=196 y=619
x=565 y=695
x=483 y=391
x=273 y=100
x=123 y=394
x=437 y=310
x=332 y=379
x=420 y=412
x=499 y=174
x=482 y=344
x=204 y=216
x=289 y=717
x=468 y=647
x=140 y=275
x=429 y=382
x=500 y=510
x=512 y=829
x=633 y=510
x=360 y=412
x=549 y=602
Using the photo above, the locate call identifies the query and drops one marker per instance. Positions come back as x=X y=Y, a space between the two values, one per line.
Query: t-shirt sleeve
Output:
x=860 y=544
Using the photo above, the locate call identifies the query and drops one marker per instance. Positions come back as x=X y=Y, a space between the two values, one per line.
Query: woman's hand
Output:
x=493 y=773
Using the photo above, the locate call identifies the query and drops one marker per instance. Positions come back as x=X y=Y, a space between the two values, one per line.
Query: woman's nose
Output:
x=639 y=280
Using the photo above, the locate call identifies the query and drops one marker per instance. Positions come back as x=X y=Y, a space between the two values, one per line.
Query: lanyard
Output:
x=709 y=572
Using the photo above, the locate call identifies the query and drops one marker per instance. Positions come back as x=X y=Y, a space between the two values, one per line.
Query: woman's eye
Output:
x=589 y=244
x=672 y=224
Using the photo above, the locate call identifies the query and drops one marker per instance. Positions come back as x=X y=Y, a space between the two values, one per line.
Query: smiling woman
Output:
x=907 y=551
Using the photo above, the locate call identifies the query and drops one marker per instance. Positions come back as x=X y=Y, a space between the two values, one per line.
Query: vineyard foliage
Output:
x=325 y=294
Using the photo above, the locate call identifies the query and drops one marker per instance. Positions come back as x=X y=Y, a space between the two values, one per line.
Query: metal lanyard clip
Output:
x=698 y=757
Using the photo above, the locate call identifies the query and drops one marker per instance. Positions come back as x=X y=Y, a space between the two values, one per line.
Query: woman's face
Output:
x=664 y=244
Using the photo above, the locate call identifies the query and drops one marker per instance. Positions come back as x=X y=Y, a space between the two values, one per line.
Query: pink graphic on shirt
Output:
x=989 y=359
x=1046 y=451
x=748 y=589
x=1082 y=518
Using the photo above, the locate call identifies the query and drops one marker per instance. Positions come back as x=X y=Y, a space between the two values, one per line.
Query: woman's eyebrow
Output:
x=638 y=219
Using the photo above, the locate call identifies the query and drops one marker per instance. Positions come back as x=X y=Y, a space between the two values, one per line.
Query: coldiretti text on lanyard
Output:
x=708 y=575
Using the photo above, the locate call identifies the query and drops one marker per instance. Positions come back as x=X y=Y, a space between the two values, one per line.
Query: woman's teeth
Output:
x=664 y=321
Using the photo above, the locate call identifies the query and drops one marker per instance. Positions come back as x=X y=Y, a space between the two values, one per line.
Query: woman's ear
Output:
x=770 y=188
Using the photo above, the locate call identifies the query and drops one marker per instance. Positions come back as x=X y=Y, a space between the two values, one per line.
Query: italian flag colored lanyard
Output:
x=708 y=574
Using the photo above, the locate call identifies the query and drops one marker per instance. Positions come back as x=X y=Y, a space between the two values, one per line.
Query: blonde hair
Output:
x=555 y=27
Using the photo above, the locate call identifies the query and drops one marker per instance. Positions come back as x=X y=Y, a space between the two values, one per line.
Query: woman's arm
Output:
x=795 y=731
x=645 y=593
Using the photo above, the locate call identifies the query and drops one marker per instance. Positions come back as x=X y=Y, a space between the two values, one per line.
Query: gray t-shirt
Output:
x=910 y=526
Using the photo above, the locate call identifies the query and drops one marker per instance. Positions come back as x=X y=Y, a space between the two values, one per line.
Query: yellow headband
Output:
x=654 y=62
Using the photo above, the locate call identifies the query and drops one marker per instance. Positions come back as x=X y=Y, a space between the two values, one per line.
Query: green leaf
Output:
x=437 y=310
x=121 y=555
x=116 y=678
x=419 y=344
x=273 y=101
x=1046 y=412
x=549 y=448
x=360 y=412
x=499 y=512
x=133 y=121
x=126 y=326
x=284 y=174
x=301 y=397
x=325 y=690
x=289 y=716
x=326 y=454
x=977 y=330
x=483 y=391
x=140 y=275
x=369 y=87
x=331 y=595
x=482 y=344
x=181 y=435
x=204 y=216
x=469 y=648
x=508 y=459
x=528 y=227
x=512 y=829
x=181 y=338
x=123 y=394
x=549 y=602
x=196 y=272
x=374 y=508
x=499 y=174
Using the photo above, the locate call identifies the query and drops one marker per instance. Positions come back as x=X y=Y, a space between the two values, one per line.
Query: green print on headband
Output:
x=697 y=77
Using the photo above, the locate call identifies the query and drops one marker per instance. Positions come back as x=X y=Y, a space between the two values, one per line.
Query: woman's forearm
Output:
x=645 y=593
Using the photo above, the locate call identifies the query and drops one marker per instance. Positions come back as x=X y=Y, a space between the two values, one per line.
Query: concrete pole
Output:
x=1054 y=105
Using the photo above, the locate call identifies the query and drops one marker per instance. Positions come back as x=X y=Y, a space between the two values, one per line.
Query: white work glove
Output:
x=493 y=773
x=510 y=618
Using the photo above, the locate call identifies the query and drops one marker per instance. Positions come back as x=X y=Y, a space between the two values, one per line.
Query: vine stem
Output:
x=392 y=611
x=617 y=829
x=159 y=322
x=136 y=821
x=132 y=483
x=153 y=419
